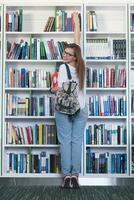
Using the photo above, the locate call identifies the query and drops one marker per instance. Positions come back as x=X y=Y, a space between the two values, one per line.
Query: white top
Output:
x=62 y=77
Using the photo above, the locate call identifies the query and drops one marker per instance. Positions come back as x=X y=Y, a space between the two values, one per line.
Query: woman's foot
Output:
x=75 y=182
x=66 y=182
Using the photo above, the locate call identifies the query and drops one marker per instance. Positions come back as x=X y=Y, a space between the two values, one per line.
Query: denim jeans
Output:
x=70 y=135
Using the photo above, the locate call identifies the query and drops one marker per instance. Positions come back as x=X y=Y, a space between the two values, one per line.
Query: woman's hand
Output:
x=54 y=89
x=76 y=18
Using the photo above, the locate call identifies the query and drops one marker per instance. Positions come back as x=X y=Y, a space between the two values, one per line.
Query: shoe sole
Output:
x=74 y=183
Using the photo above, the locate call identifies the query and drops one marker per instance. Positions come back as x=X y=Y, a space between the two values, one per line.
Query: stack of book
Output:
x=14 y=21
x=91 y=21
x=62 y=22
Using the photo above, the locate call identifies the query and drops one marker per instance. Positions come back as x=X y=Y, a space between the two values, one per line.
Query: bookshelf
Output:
x=106 y=139
x=113 y=27
x=131 y=84
x=19 y=117
x=1 y=43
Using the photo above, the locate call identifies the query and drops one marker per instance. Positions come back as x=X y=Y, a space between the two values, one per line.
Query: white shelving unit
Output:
x=1 y=44
x=114 y=21
x=111 y=25
x=131 y=85
x=34 y=21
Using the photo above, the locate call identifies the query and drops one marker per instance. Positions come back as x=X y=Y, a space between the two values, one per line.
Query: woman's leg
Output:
x=64 y=132
x=79 y=123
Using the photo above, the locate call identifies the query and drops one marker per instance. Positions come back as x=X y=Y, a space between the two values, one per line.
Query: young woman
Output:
x=70 y=130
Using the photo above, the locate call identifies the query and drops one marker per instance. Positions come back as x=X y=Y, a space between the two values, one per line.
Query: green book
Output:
x=20 y=20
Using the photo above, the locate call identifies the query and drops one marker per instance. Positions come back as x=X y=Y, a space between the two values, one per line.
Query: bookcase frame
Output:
x=7 y=63
x=4 y=35
x=1 y=68
x=98 y=63
x=131 y=88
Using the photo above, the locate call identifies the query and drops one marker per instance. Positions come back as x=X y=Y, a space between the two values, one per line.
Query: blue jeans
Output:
x=70 y=135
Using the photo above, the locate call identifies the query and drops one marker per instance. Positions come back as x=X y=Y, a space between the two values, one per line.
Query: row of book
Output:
x=32 y=163
x=40 y=78
x=132 y=22
x=35 y=49
x=62 y=22
x=44 y=105
x=50 y=49
x=14 y=20
x=107 y=105
x=106 y=77
x=50 y=24
x=119 y=48
x=132 y=104
x=132 y=166
x=25 y=78
x=105 y=48
x=132 y=163
x=91 y=21
x=132 y=48
x=101 y=134
x=34 y=134
x=107 y=163
x=29 y=106
x=132 y=137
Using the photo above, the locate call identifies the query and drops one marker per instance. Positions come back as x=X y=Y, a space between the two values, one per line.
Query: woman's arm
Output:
x=76 y=28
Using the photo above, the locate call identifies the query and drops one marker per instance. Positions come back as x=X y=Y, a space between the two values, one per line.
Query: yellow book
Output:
x=58 y=22
x=13 y=134
x=26 y=106
x=88 y=21
x=40 y=133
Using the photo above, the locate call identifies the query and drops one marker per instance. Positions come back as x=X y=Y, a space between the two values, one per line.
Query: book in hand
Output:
x=54 y=79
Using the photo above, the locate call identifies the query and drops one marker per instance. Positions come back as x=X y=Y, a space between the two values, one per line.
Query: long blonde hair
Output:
x=80 y=64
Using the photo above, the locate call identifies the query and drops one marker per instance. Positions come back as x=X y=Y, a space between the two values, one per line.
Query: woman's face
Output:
x=68 y=55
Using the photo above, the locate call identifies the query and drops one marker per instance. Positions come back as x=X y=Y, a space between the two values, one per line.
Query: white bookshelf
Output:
x=34 y=20
x=1 y=59
x=131 y=85
x=114 y=22
x=111 y=24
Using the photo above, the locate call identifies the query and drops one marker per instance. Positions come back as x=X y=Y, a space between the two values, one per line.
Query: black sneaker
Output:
x=75 y=182
x=66 y=182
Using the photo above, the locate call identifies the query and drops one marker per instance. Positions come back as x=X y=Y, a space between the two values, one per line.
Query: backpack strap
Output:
x=68 y=72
